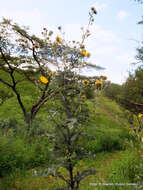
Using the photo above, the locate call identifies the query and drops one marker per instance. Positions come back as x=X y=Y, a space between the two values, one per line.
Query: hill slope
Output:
x=108 y=125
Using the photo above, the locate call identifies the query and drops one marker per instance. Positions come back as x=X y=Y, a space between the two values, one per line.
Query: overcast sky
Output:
x=115 y=34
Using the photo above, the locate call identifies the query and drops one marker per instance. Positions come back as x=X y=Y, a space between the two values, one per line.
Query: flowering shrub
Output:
x=66 y=88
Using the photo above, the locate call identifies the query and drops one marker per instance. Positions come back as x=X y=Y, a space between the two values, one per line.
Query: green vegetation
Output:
x=60 y=130
x=107 y=139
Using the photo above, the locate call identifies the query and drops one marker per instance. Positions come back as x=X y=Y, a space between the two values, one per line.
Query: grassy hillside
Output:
x=115 y=159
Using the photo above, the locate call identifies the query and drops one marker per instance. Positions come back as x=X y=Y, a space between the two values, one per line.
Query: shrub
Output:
x=6 y=124
x=18 y=154
x=105 y=142
x=124 y=168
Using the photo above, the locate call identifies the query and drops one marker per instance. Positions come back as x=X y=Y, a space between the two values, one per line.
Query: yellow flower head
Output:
x=86 y=81
x=83 y=96
x=84 y=53
x=44 y=80
x=103 y=77
x=140 y=115
x=58 y=39
x=98 y=83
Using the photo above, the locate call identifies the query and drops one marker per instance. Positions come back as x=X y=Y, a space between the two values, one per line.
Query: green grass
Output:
x=110 y=144
x=115 y=167
x=115 y=109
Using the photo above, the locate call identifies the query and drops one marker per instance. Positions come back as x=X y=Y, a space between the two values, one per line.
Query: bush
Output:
x=113 y=91
x=124 y=169
x=7 y=124
x=105 y=142
x=18 y=154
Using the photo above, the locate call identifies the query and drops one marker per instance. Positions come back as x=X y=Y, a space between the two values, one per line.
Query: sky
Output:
x=115 y=34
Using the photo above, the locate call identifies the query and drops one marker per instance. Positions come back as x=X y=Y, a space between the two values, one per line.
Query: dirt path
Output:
x=109 y=114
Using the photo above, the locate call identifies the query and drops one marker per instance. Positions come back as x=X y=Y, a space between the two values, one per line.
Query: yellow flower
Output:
x=84 y=53
x=58 y=39
x=103 y=77
x=44 y=80
x=88 y=54
x=140 y=115
x=86 y=81
x=83 y=96
x=98 y=82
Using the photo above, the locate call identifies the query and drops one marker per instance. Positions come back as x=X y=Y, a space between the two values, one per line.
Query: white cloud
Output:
x=122 y=15
x=103 y=35
x=98 y=34
x=103 y=44
x=106 y=51
x=30 y=18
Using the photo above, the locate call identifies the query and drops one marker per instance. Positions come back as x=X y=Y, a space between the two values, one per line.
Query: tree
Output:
x=4 y=95
x=67 y=89
x=140 y=1
x=69 y=115
x=132 y=93
x=31 y=57
x=25 y=57
x=130 y=97
x=113 y=91
x=19 y=50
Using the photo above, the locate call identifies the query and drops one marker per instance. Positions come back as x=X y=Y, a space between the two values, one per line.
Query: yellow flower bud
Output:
x=59 y=39
x=84 y=53
x=44 y=80
x=98 y=83
x=86 y=81
x=140 y=115
x=103 y=77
